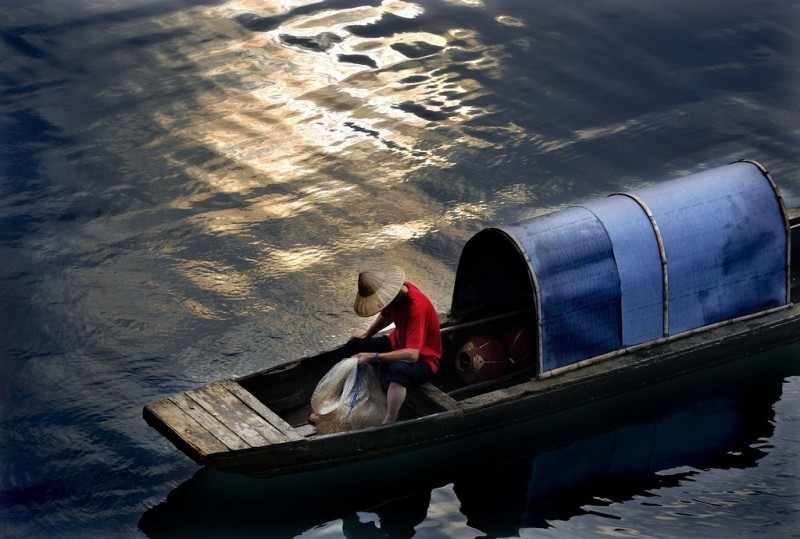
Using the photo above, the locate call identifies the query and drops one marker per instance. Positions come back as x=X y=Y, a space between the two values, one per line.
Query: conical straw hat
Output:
x=377 y=288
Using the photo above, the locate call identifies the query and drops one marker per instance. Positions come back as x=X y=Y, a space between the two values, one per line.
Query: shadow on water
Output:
x=598 y=454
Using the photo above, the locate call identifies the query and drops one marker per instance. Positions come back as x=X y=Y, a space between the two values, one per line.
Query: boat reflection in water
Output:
x=548 y=469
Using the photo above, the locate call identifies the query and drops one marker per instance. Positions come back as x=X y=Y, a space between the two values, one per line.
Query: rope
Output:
x=356 y=393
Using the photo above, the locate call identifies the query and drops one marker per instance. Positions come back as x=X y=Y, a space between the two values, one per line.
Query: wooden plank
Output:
x=445 y=401
x=306 y=430
x=428 y=399
x=232 y=412
x=189 y=430
x=209 y=422
x=258 y=407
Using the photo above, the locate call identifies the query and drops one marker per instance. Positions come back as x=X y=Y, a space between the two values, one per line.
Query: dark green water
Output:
x=188 y=188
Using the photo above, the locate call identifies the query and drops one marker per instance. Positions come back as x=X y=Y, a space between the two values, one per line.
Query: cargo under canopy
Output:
x=634 y=267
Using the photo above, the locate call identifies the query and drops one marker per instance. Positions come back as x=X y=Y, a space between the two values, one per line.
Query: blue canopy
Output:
x=634 y=267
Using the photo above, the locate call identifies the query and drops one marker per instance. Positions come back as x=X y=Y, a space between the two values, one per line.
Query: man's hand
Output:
x=365 y=358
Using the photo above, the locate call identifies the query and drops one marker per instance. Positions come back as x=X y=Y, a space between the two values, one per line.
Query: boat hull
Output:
x=474 y=415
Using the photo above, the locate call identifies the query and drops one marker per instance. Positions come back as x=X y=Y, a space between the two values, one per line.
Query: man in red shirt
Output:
x=413 y=348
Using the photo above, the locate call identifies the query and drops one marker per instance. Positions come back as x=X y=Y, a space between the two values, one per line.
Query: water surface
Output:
x=188 y=188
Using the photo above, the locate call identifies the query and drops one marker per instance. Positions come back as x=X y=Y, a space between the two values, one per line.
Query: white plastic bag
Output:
x=348 y=397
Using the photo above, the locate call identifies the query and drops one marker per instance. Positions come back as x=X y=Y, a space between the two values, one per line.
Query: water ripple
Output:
x=188 y=186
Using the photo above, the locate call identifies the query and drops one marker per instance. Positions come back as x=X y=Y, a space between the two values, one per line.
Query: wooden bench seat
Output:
x=428 y=399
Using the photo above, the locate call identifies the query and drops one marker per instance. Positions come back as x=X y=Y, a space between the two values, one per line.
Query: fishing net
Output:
x=348 y=397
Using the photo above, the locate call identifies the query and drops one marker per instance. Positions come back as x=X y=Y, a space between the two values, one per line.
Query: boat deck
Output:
x=222 y=417
x=218 y=418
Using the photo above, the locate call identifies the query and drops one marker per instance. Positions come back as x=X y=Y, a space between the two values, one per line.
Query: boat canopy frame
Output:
x=634 y=268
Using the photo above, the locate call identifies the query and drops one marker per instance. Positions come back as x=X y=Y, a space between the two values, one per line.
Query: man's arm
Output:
x=408 y=355
x=378 y=324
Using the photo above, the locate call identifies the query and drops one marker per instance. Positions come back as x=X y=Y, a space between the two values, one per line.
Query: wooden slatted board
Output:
x=219 y=418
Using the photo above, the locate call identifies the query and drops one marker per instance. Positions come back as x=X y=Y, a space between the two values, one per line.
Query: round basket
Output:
x=481 y=358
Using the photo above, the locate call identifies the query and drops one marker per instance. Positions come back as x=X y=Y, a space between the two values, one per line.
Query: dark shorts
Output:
x=405 y=374
x=408 y=374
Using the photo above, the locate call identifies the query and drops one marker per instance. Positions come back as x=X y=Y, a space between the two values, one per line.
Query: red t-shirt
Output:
x=416 y=326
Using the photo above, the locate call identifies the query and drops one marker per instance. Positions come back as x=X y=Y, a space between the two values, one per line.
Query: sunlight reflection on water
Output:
x=309 y=104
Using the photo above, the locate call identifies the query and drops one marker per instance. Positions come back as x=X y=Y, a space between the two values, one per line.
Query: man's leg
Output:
x=394 y=401
x=400 y=376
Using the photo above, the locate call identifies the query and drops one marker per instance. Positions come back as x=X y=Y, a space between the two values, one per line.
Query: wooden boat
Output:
x=617 y=294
